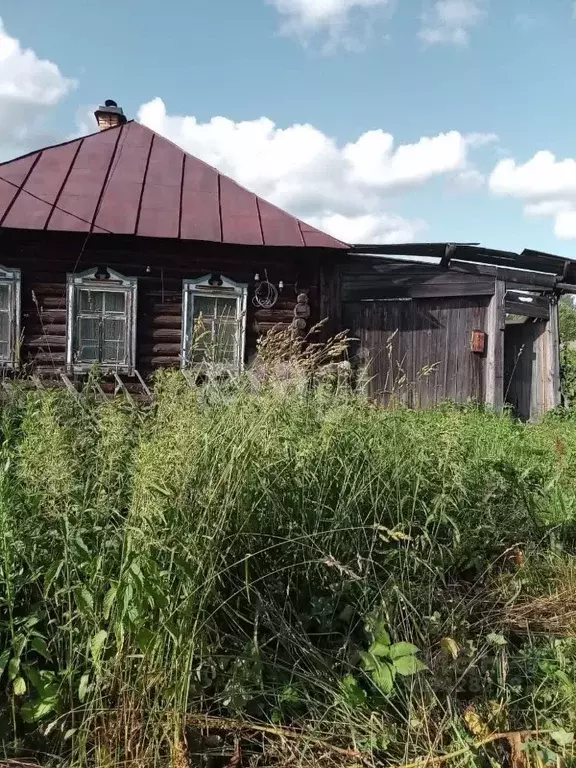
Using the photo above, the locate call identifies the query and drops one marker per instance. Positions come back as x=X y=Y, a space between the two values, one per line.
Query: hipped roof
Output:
x=130 y=180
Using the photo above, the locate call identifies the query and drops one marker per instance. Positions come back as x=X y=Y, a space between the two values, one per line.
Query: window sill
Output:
x=105 y=369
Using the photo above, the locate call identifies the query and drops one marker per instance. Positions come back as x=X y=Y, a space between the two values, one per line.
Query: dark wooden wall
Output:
x=418 y=351
x=45 y=261
x=414 y=326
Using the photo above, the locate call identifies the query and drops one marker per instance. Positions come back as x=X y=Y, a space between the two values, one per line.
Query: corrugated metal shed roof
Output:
x=131 y=181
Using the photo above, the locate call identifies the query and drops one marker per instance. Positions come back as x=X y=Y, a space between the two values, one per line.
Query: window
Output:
x=9 y=316
x=101 y=321
x=214 y=321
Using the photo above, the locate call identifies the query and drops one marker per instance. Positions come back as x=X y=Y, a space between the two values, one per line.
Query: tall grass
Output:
x=232 y=553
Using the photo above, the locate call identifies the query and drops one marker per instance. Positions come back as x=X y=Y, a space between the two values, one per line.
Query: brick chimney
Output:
x=110 y=115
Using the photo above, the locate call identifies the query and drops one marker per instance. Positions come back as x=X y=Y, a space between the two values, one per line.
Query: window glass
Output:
x=101 y=327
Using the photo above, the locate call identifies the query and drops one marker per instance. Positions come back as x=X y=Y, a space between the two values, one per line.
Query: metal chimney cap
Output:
x=108 y=110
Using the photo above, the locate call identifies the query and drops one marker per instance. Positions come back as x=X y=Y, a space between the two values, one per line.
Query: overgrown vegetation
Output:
x=261 y=571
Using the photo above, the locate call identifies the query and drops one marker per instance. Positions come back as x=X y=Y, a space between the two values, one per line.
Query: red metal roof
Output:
x=131 y=181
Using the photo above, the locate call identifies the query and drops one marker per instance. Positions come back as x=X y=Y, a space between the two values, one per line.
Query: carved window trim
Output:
x=11 y=277
x=214 y=286
x=106 y=280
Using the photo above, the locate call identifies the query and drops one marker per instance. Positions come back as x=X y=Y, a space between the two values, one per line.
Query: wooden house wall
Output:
x=414 y=324
x=45 y=262
x=418 y=351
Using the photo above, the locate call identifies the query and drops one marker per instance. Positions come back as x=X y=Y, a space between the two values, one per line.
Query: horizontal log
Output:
x=264 y=327
x=47 y=316
x=47 y=289
x=161 y=348
x=51 y=329
x=159 y=334
x=158 y=361
x=171 y=308
x=56 y=359
x=166 y=321
x=50 y=302
x=50 y=342
x=273 y=315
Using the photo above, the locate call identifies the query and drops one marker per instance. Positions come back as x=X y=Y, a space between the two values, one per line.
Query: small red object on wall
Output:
x=478 y=341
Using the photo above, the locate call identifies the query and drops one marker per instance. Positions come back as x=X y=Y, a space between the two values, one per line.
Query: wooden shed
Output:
x=114 y=244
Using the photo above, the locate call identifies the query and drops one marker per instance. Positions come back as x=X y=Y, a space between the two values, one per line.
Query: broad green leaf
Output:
x=83 y=687
x=38 y=644
x=13 y=667
x=383 y=677
x=495 y=639
x=109 y=599
x=409 y=665
x=96 y=645
x=34 y=678
x=32 y=711
x=84 y=599
x=563 y=737
x=402 y=649
x=19 y=686
x=379 y=649
x=4 y=658
x=352 y=693
x=369 y=662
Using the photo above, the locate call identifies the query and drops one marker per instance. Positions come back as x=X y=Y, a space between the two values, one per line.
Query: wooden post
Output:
x=551 y=359
x=496 y=323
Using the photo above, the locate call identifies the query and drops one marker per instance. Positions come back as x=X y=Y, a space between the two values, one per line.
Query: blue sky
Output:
x=478 y=96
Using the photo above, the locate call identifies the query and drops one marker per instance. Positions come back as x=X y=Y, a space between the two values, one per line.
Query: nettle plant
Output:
x=382 y=662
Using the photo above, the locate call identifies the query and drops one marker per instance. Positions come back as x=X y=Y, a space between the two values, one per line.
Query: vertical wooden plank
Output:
x=330 y=298
x=552 y=344
x=494 y=368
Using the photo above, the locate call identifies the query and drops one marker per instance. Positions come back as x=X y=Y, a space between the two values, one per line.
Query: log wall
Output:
x=46 y=260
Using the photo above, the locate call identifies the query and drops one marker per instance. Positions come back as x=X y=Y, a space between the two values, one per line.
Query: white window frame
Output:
x=12 y=277
x=214 y=287
x=116 y=282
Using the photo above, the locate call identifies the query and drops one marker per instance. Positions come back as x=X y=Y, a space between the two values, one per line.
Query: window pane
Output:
x=113 y=340
x=4 y=297
x=88 y=340
x=4 y=335
x=114 y=301
x=225 y=342
x=205 y=306
x=227 y=308
x=91 y=301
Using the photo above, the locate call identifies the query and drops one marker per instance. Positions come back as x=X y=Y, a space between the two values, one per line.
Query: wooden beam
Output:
x=510 y=275
x=495 y=323
x=527 y=309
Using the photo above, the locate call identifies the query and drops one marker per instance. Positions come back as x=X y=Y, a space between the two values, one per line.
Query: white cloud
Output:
x=29 y=88
x=345 y=189
x=338 y=19
x=450 y=21
x=370 y=227
x=546 y=186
